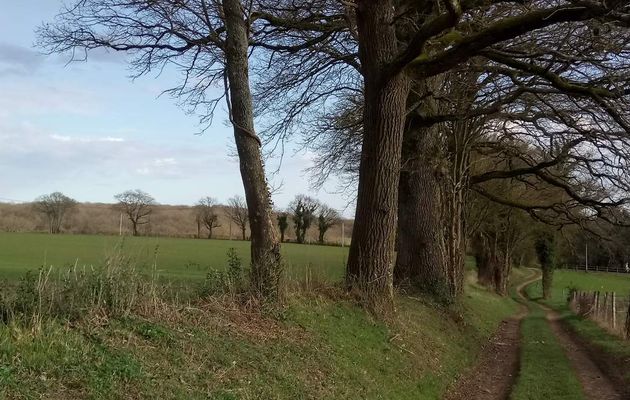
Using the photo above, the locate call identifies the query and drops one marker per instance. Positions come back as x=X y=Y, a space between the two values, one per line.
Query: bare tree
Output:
x=303 y=210
x=238 y=213
x=137 y=205
x=208 y=41
x=402 y=44
x=206 y=215
x=283 y=224
x=54 y=207
x=327 y=218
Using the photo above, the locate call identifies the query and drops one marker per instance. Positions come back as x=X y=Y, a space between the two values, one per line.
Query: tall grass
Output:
x=113 y=290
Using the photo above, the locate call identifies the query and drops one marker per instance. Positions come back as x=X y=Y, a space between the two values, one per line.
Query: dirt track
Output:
x=495 y=374
x=595 y=384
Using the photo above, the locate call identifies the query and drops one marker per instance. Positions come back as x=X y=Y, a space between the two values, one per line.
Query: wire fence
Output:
x=617 y=269
x=610 y=310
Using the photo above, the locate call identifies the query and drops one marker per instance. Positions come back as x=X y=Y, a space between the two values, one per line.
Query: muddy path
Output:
x=595 y=384
x=494 y=375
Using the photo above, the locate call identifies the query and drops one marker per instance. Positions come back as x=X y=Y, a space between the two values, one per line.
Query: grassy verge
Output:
x=317 y=346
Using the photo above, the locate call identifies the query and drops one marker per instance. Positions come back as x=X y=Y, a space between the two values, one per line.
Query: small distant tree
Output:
x=54 y=207
x=137 y=205
x=328 y=217
x=283 y=223
x=238 y=213
x=206 y=215
x=545 y=251
x=303 y=209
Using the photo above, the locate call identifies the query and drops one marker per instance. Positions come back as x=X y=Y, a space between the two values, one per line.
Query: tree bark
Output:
x=420 y=261
x=493 y=263
x=432 y=199
x=265 y=248
x=134 y=225
x=370 y=264
x=547 y=281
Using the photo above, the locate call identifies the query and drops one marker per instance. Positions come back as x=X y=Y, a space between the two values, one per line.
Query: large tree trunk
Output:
x=265 y=248
x=420 y=262
x=370 y=263
x=433 y=186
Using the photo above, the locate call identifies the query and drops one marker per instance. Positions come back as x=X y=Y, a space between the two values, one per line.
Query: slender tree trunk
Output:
x=493 y=262
x=547 y=281
x=304 y=229
x=483 y=258
x=244 y=232
x=371 y=259
x=265 y=248
x=198 y=229
x=281 y=235
x=134 y=225
x=322 y=232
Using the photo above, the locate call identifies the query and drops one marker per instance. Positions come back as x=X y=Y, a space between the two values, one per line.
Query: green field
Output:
x=175 y=258
x=564 y=280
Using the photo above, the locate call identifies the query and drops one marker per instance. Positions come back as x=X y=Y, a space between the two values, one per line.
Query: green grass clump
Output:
x=545 y=371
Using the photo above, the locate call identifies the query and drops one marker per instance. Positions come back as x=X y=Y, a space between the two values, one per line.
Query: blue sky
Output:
x=88 y=130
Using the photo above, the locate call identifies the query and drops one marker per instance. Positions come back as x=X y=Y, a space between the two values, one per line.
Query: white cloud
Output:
x=31 y=98
x=162 y=162
x=18 y=60
x=69 y=139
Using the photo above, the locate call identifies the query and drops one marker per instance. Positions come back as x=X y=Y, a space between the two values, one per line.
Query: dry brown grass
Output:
x=166 y=220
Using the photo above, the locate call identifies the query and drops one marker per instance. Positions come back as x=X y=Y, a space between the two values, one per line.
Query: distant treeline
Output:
x=165 y=220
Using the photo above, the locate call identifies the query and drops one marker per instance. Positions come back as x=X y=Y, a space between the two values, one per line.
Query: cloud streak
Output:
x=18 y=60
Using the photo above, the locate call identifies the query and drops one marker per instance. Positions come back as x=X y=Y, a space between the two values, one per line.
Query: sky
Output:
x=90 y=131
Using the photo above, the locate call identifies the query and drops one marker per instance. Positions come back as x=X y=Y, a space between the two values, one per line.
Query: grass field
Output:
x=175 y=258
x=563 y=280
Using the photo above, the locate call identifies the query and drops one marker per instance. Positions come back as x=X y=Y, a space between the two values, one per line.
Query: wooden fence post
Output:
x=605 y=308
x=596 y=305
x=614 y=310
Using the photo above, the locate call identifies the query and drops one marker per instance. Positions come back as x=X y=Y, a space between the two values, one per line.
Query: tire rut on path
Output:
x=595 y=384
x=493 y=377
